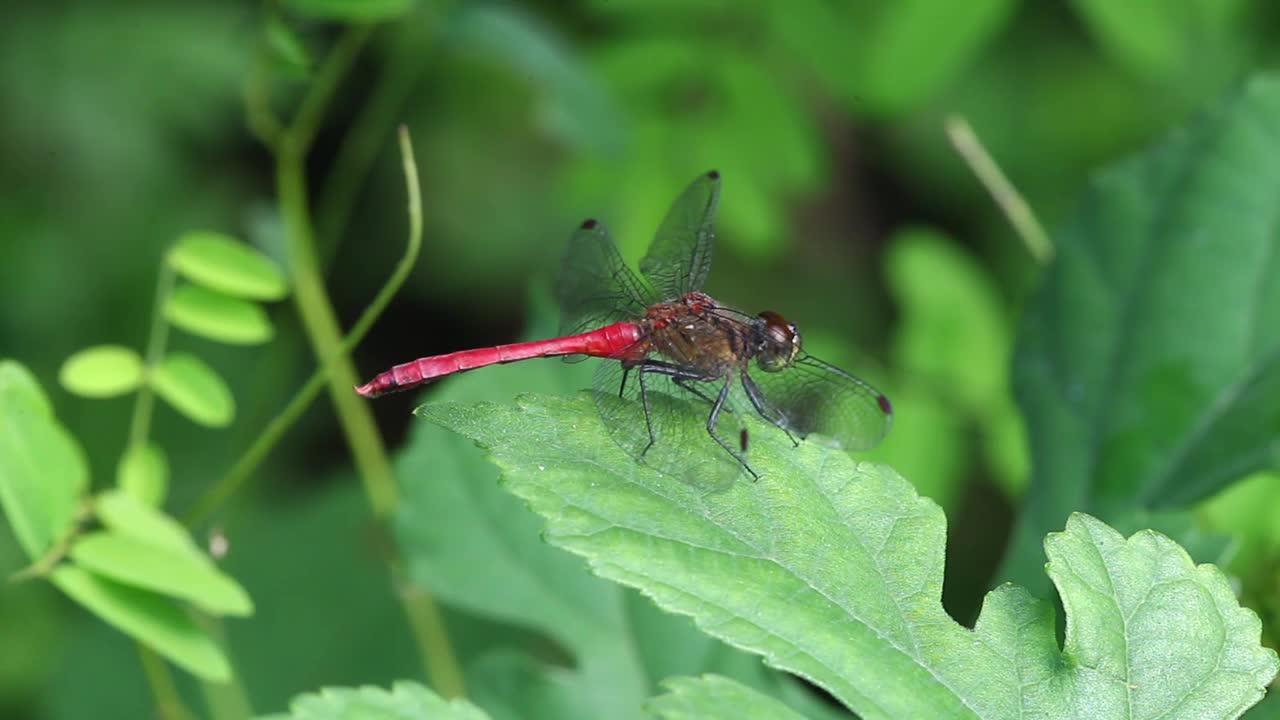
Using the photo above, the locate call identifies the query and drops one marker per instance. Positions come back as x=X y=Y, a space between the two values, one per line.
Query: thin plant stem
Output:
x=164 y=692
x=1011 y=202
x=144 y=401
x=281 y=423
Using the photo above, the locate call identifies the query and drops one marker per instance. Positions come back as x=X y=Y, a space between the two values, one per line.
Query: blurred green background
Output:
x=844 y=207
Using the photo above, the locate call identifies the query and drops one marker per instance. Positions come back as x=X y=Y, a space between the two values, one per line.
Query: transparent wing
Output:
x=813 y=398
x=595 y=286
x=674 y=416
x=680 y=257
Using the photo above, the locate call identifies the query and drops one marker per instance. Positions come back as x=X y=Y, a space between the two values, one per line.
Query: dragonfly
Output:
x=681 y=368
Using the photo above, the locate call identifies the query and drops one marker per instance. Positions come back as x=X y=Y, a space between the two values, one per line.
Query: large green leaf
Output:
x=151 y=618
x=1149 y=360
x=712 y=696
x=454 y=517
x=404 y=701
x=832 y=569
x=42 y=470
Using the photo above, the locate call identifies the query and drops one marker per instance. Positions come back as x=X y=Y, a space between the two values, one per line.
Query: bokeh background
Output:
x=844 y=207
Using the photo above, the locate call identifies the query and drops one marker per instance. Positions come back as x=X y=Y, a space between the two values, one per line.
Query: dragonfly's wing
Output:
x=596 y=287
x=813 y=398
x=680 y=257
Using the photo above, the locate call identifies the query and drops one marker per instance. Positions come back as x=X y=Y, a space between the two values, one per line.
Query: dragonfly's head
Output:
x=777 y=342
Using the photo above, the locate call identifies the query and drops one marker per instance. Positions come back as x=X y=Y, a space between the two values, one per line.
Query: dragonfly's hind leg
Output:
x=773 y=415
x=677 y=374
x=716 y=407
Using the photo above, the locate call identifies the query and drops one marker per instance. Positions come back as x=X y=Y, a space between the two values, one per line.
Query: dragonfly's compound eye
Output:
x=778 y=342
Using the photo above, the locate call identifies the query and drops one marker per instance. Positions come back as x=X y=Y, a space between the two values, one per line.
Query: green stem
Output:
x=1011 y=202
x=280 y=424
x=328 y=77
x=163 y=690
x=321 y=325
x=140 y=426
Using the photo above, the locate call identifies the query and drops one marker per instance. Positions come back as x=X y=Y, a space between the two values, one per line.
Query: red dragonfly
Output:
x=681 y=350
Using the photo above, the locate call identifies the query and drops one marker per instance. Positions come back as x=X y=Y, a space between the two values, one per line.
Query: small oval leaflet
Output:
x=223 y=263
x=102 y=371
x=194 y=389
x=218 y=316
x=143 y=473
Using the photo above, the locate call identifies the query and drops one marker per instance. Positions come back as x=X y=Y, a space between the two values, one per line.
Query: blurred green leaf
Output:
x=836 y=574
x=574 y=105
x=914 y=46
x=42 y=470
x=712 y=696
x=194 y=389
x=216 y=316
x=1149 y=359
x=102 y=371
x=350 y=10
x=133 y=561
x=1246 y=510
x=287 y=47
x=929 y=443
x=124 y=514
x=953 y=334
x=223 y=263
x=1159 y=38
x=149 y=617
x=143 y=473
x=405 y=701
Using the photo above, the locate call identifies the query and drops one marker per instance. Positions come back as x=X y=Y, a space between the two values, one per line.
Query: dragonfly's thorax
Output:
x=697 y=332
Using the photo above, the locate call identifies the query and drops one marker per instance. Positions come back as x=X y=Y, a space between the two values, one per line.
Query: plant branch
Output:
x=1011 y=202
x=144 y=401
x=281 y=423
x=164 y=692
x=328 y=77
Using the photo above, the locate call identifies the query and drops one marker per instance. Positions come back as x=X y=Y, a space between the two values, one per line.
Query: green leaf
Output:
x=286 y=47
x=42 y=470
x=461 y=519
x=216 y=316
x=143 y=473
x=102 y=371
x=405 y=701
x=350 y=10
x=1158 y=38
x=124 y=514
x=915 y=46
x=133 y=561
x=222 y=263
x=150 y=618
x=1149 y=360
x=832 y=569
x=712 y=696
x=194 y=389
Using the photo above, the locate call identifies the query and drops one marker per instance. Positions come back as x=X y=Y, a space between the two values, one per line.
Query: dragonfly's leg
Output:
x=716 y=407
x=644 y=403
x=623 y=385
x=771 y=414
x=683 y=382
x=680 y=376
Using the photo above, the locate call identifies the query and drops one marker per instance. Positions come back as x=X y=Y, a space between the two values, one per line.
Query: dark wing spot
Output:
x=742 y=439
x=589 y=224
x=884 y=405
x=714 y=174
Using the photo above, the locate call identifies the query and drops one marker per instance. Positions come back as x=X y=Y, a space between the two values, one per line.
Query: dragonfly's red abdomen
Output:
x=609 y=341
